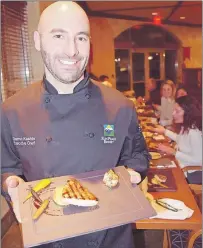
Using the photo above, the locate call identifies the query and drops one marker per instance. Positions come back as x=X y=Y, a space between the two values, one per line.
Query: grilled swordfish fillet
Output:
x=75 y=194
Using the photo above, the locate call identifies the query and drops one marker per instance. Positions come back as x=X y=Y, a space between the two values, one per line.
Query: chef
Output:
x=67 y=124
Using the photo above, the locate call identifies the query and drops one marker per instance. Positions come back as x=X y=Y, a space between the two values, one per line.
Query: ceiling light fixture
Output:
x=154 y=13
x=182 y=17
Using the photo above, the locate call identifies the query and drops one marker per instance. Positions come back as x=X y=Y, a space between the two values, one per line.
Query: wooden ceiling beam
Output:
x=183 y=24
x=142 y=19
x=145 y=7
x=118 y=16
x=138 y=8
x=175 y=8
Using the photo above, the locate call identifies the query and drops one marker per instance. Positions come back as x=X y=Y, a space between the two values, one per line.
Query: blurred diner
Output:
x=167 y=103
x=188 y=114
x=154 y=93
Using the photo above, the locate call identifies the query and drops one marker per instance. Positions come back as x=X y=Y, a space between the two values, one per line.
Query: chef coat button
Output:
x=49 y=139
x=58 y=245
x=91 y=135
x=47 y=99
x=93 y=243
x=88 y=96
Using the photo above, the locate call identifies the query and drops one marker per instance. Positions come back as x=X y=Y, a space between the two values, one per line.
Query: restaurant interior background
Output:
x=131 y=42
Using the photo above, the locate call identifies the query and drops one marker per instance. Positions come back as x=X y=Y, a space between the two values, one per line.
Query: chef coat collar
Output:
x=53 y=91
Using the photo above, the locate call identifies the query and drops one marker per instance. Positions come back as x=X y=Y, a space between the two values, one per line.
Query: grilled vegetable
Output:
x=37 y=204
x=35 y=195
x=41 y=185
x=41 y=209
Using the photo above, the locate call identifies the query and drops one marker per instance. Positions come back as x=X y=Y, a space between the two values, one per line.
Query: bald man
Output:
x=64 y=116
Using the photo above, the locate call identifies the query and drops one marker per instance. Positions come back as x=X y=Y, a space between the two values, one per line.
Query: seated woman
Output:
x=187 y=113
x=167 y=103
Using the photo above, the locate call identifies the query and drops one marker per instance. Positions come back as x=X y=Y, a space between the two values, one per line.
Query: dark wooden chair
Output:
x=197 y=192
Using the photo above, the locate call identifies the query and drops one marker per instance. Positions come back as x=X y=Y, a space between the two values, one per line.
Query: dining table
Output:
x=182 y=193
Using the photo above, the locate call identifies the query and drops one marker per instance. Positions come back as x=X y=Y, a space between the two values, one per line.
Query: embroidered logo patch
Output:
x=109 y=130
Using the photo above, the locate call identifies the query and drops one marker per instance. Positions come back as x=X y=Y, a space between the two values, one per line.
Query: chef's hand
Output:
x=166 y=149
x=134 y=176
x=159 y=129
x=12 y=183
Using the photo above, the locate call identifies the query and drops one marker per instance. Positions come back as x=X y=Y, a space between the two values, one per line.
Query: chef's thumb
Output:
x=13 y=181
x=135 y=177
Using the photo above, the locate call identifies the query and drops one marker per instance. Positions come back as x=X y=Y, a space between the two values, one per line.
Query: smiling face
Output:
x=64 y=42
x=167 y=91
x=178 y=114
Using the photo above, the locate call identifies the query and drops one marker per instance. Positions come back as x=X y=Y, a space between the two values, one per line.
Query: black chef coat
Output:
x=45 y=134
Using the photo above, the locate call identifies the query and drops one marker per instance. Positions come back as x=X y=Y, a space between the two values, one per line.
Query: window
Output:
x=171 y=65
x=154 y=65
x=152 y=54
x=122 y=62
x=138 y=71
x=15 y=48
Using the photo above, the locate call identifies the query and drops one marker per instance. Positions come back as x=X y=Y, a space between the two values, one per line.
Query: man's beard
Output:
x=72 y=78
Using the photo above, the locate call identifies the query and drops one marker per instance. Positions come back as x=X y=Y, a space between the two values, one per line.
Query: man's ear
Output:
x=37 y=40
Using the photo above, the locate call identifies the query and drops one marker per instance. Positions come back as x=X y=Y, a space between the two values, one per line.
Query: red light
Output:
x=157 y=20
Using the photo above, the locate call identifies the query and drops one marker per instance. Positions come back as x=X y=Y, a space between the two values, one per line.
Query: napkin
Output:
x=183 y=212
x=171 y=165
